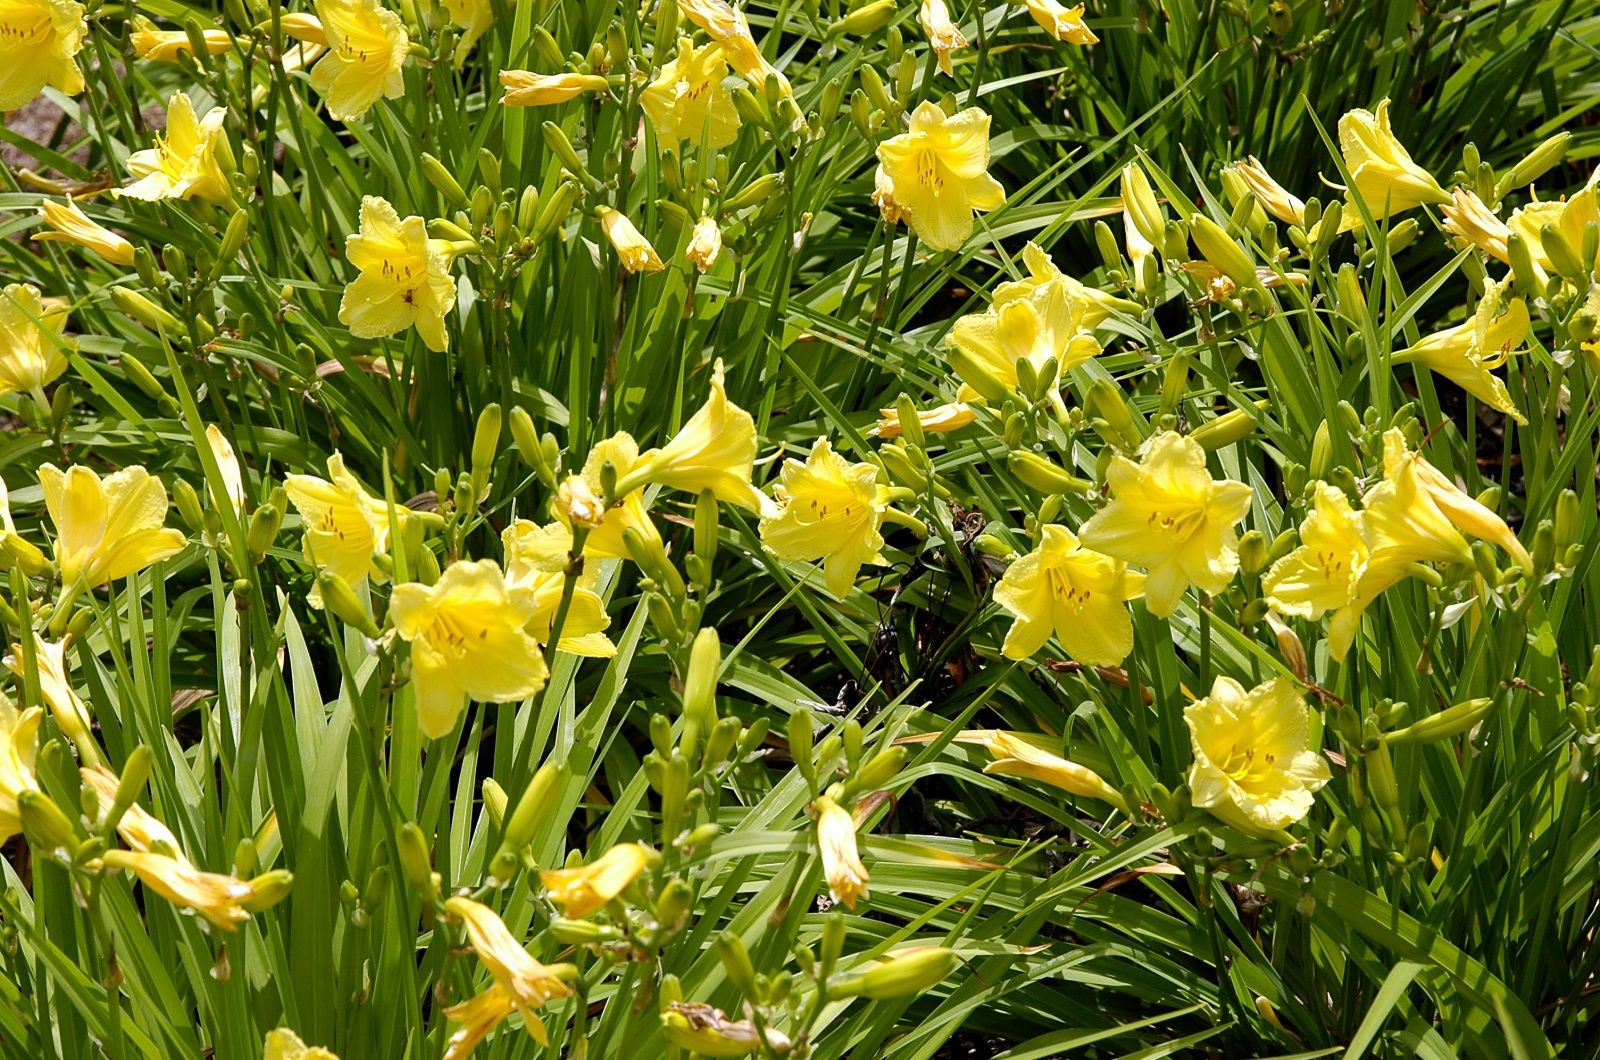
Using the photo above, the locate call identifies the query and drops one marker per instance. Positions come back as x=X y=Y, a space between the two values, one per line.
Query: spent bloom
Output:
x=936 y=174
x=1252 y=767
x=346 y=527
x=31 y=343
x=166 y=45
x=688 y=99
x=585 y=889
x=219 y=899
x=106 y=529
x=404 y=277
x=522 y=982
x=38 y=42
x=189 y=161
x=1061 y=22
x=714 y=451
x=832 y=511
x=1381 y=170
x=228 y=466
x=1168 y=515
x=705 y=244
x=1469 y=217
x=948 y=417
x=1018 y=755
x=1273 y=197
x=841 y=862
x=1074 y=592
x=469 y=639
x=367 y=46
x=944 y=36
x=138 y=827
x=69 y=224
x=634 y=250
x=524 y=88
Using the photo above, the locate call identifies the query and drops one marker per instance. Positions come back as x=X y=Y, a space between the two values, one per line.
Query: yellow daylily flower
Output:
x=1034 y=320
x=187 y=162
x=634 y=250
x=1461 y=509
x=941 y=418
x=1017 y=755
x=688 y=98
x=367 y=47
x=524 y=982
x=469 y=639
x=217 y=898
x=1077 y=594
x=1252 y=767
x=605 y=536
x=345 y=526
x=137 y=827
x=831 y=510
x=705 y=244
x=585 y=889
x=1381 y=169
x=405 y=277
x=1273 y=197
x=285 y=1044
x=228 y=464
x=936 y=174
x=31 y=343
x=1570 y=216
x=1169 y=516
x=841 y=862
x=481 y=1014
x=473 y=18
x=1324 y=573
x=528 y=569
x=714 y=451
x=38 y=40
x=944 y=36
x=19 y=746
x=160 y=45
x=1469 y=217
x=524 y=88
x=1465 y=353
x=1096 y=305
x=55 y=687
x=727 y=25
x=69 y=224
x=1061 y=22
x=106 y=529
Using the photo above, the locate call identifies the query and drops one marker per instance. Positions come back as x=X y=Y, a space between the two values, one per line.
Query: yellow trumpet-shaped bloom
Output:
x=1017 y=755
x=1465 y=353
x=473 y=18
x=31 y=343
x=529 y=569
x=523 y=982
x=187 y=161
x=688 y=98
x=1462 y=510
x=1252 y=767
x=937 y=420
x=714 y=451
x=841 y=861
x=1061 y=22
x=38 y=42
x=69 y=224
x=405 y=277
x=727 y=25
x=1570 y=217
x=217 y=898
x=1049 y=315
x=367 y=46
x=1469 y=217
x=137 y=827
x=482 y=1013
x=106 y=529
x=1077 y=594
x=166 y=45
x=831 y=510
x=55 y=686
x=469 y=639
x=345 y=526
x=1168 y=515
x=936 y=174
x=944 y=36
x=1381 y=169
x=524 y=88
x=1273 y=197
x=585 y=889
x=1324 y=573
x=19 y=746
x=285 y=1044
x=634 y=250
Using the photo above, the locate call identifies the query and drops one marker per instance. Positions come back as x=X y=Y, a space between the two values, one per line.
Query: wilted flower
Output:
x=944 y=36
x=69 y=224
x=949 y=417
x=1273 y=197
x=367 y=46
x=705 y=244
x=1016 y=755
x=524 y=88
x=1168 y=515
x=38 y=40
x=228 y=465
x=585 y=889
x=1381 y=170
x=107 y=529
x=469 y=638
x=1061 y=22
x=688 y=99
x=31 y=343
x=137 y=827
x=935 y=175
x=1077 y=594
x=345 y=526
x=215 y=897
x=166 y=45
x=707 y=1031
x=405 y=277
x=185 y=163
x=832 y=510
x=1470 y=218
x=714 y=451
x=841 y=863
x=524 y=983
x=632 y=247
x=1252 y=768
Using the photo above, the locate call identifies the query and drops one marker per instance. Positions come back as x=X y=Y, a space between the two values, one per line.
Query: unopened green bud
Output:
x=872 y=84
x=868 y=18
x=878 y=771
x=1562 y=254
x=674 y=903
x=486 y=439
x=46 y=827
x=911 y=972
x=1567 y=519
x=736 y=962
x=1226 y=429
x=416 y=863
x=556 y=209
x=1522 y=268
x=443 y=181
x=532 y=807
x=582 y=932
x=1218 y=248
x=340 y=600
x=233 y=240
x=189 y=507
x=1403 y=235
x=146 y=312
x=1043 y=475
x=700 y=685
x=1535 y=164
x=268 y=889
x=263 y=530
x=756 y=192
x=1252 y=553
x=1108 y=403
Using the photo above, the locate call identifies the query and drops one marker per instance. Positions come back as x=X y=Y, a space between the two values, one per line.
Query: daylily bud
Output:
x=340 y=600
x=1217 y=247
x=700 y=687
x=263 y=530
x=736 y=962
x=757 y=191
x=868 y=18
x=135 y=772
x=1566 y=521
x=800 y=744
x=1139 y=200
x=486 y=439
x=145 y=311
x=1226 y=429
x=911 y=972
x=233 y=240
x=443 y=181
x=1108 y=402
x=1446 y=723
x=268 y=889
x=878 y=771
x=416 y=862
x=1535 y=164
x=532 y=808
x=47 y=828
x=561 y=147
x=1038 y=473
x=582 y=932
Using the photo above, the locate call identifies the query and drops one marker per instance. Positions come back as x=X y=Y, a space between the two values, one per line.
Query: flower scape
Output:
x=799 y=528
